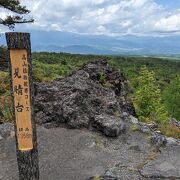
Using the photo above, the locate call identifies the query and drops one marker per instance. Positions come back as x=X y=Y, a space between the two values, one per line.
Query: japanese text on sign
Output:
x=21 y=92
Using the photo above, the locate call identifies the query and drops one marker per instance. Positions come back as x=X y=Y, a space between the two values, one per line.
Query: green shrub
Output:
x=4 y=82
x=147 y=98
x=103 y=80
x=5 y=109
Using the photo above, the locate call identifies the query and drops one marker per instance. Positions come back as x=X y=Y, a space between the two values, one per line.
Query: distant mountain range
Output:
x=56 y=41
x=74 y=49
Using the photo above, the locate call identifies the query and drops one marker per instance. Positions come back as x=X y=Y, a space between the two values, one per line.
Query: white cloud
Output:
x=108 y=17
x=170 y=23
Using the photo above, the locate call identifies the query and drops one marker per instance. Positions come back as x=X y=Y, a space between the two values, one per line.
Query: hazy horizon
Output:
x=148 y=27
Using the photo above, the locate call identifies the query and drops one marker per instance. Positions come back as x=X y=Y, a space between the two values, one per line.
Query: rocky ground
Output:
x=87 y=130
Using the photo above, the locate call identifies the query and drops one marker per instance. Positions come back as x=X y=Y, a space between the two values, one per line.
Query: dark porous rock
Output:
x=6 y=130
x=153 y=126
x=144 y=128
x=158 y=139
x=109 y=125
x=80 y=98
x=135 y=148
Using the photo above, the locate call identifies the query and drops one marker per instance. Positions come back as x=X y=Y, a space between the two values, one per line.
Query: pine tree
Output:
x=147 y=98
x=15 y=7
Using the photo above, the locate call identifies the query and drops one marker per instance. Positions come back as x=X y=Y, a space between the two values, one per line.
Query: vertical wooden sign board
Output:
x=23 y=108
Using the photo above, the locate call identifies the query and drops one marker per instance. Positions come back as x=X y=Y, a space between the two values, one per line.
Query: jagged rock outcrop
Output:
x=83 y=100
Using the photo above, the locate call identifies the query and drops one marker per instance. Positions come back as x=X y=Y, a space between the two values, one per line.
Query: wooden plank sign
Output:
x=21 y=91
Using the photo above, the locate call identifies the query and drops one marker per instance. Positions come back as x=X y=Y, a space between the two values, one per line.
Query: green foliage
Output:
x=50 y=66
x=171 y=96
x=4 y=82
x=147 y=98
x=103 y=80
x=165 y=69
x=5 y=109
x=46 y=72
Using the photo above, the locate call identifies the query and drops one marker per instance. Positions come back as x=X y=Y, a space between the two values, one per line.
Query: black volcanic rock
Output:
x=81 y=98
x=109 y=125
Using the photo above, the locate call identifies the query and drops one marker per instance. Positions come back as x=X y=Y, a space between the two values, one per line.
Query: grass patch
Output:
x=134 y=127
x=5 y=100
x=5 y=109
x=4 y=82
x=99 y=142
x=96 y=178
x=132 y=169
x=170 y=130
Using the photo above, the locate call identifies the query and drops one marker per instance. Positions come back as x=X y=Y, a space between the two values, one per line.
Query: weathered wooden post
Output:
x=22 y=92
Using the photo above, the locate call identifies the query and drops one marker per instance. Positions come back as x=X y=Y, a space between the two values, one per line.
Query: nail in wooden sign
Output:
x=21 y=93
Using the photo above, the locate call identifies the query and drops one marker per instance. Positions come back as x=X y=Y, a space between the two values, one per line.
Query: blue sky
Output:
x=170 y=4
x=104 y=17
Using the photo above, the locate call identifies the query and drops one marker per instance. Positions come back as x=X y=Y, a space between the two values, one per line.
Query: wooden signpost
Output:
x=22 y=99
